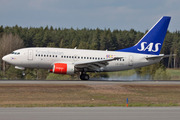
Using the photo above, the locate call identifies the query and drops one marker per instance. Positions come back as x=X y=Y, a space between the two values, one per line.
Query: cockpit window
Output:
x=16 y=53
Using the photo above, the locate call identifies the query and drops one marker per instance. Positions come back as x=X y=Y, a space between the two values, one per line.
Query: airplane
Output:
x=73 y=61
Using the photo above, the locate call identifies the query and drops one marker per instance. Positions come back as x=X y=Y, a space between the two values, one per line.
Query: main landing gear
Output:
x=84 y=76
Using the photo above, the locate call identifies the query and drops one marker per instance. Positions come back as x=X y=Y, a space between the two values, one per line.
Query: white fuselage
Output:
x=44 y=58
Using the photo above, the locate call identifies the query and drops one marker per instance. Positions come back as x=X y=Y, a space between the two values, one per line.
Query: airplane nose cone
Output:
x=5 y=58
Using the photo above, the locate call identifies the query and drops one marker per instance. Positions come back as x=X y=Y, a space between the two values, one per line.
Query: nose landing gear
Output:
x=23 y=73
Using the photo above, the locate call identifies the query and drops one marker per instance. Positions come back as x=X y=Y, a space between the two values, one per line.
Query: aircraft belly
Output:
x=33 y=64
x=43 y=65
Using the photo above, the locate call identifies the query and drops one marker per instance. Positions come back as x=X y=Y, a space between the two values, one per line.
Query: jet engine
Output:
x=62 y=68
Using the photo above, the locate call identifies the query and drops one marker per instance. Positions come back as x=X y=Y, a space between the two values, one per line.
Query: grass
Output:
x=18 y=95
x=175 y=73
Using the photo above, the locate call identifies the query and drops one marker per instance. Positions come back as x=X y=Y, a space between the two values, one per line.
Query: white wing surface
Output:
x=96 y=65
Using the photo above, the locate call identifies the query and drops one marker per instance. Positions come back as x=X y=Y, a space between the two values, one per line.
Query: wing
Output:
x=96 y=65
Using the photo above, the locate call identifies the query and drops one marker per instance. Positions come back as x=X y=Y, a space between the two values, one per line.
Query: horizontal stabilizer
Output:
x=159 y=56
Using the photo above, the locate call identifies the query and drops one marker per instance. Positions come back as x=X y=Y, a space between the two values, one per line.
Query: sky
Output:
x=139 y=15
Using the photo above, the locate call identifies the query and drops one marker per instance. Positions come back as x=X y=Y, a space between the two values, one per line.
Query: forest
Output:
x=12 y=38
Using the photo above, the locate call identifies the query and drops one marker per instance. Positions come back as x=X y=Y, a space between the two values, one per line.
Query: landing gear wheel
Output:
x=84 y=77
x=81 y=77
x=23 y=73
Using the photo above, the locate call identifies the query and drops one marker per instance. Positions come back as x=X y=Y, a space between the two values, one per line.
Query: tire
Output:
x=84 y=77
x=81 y=77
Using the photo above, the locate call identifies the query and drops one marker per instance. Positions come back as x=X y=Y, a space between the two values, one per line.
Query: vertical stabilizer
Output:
x=152 y=41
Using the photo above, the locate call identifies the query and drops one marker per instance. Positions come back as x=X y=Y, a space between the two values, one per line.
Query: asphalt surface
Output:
x=91 y=113
x=103 y=82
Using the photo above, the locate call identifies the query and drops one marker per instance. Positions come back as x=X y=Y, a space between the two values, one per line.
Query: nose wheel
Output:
x=23 y=73
x=84 y=77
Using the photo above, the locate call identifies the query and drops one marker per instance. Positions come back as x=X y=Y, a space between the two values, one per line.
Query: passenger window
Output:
x=72 y=56
x=41 y=55
x=36 y=54
x=61 y=56
x=53 y=55
x=78 y=57
x=84 y=57
x=12 y=53
x=56 y=55
x=96 y=58
x=44 y=55
x=81 y=57
x=93 y=58
x=49 y=55
x=90 y=58
x=69 y=56
x=64 y=56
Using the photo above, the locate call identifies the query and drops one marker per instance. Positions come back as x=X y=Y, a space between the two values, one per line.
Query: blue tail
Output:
x=152 y=41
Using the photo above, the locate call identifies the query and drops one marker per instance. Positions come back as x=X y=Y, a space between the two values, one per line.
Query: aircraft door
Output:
x=131 y=59
x=30 y=54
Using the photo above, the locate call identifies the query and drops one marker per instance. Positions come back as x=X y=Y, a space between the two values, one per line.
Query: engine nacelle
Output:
x=63 y=68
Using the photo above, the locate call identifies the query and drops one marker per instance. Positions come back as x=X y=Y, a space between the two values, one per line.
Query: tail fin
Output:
x=152 y=41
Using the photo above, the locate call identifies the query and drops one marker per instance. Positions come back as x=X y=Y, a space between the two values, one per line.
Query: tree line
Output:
x=15 y=37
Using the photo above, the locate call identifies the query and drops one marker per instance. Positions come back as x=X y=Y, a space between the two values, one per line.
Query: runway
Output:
x=91 y=113
x=99 y=82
